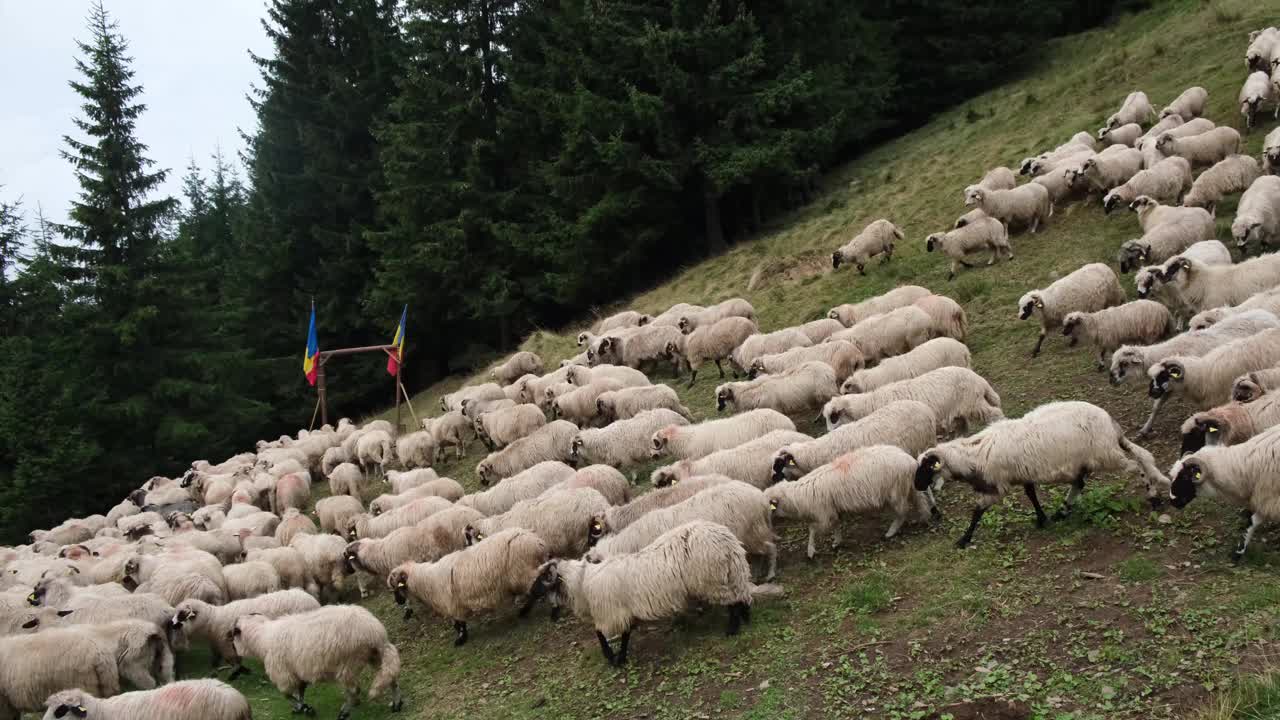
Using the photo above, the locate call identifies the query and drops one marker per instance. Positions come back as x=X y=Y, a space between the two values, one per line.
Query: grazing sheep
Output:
x=850 y=315
x=626 y=403
x=875 y=239
x=533 y=389
x=377 y=557
x=907 y=424
x=1080 y=142
x=1268 y=300
x=626 y=318
x=1125 y=135
x=335 y=512
x=1163 y=242
x=521 y=363
x=1165 y=182
x=690 y=442
x=868 y=480
x=1166 y=123
x=193 y=619
x=617 y=518
x=1257 y=89
x=1243 y=475
x=558 y=517
x=982 y=235
x=549 y=442
x=748 y=462
x=820 y=329
x=1190 y=104
x=761 y=344
x=1258 y=217
x=715 y=343
x=332 y=643
x=1130 y=360
x=323 y=557
x=53 y=660
x=371 y=526
x=289 y=565
x=843 y=356
x=1207 y=380
x=1232 y=175
x=937 y=353
x=733 y=307
x=791 y=392
x=403 y=480
x=503 y=427
x=1231 y=423
x=488 y=391
x=1000 y=178
x=177 y=575
x=203 y=699
x=250 y=579
x=671 y=316
x=1201 y=150
x=452 y=429
x=646 y=348
x=446 y=488
x=1270 y=157
x=1203 y=286
x=1041 y=167
x=1056 y=443
x=1140 y=321
x=605 y=479
x=892 y=333
x=477 y=579
x=1262 y=47
x=957 y=396
x=1108 y=169
x=1058 y=184
x=1135 y=109
x=578 y=406
x=626 y=376
x=1253 y=385
x=698 y=562
x=529 y=483
x=346 y=479
x=1092 y=287
x=374 y=450
x=623 y=443
x=1024 y=206
x=416 y=449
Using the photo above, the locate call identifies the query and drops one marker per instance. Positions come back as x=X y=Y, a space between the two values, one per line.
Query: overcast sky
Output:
x=190 y=56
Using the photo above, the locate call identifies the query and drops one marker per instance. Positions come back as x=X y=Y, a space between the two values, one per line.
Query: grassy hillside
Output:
x=1116 y=613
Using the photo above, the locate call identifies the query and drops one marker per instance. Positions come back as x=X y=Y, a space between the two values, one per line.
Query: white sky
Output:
x=190 y=56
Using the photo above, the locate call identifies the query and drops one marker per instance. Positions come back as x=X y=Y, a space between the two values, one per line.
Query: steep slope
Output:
x=1117 y=613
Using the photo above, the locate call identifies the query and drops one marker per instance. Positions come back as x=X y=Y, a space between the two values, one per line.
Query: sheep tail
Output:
x=1144 y=459
x=388 y=670
x=989 y=394
x=768 y=591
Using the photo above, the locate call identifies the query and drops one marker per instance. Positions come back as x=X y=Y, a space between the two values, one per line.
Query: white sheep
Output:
x=937 y=353
x=1137 y=322
x=446 y=488
x=1092 y=287
x=412 y=513
x=1258 y=216
x=1268 y=300
x=377 y=557
x=528 y=483
x=346 y=479
x=332 y=643
x=487 y=391
x=791 y=392
x=820 y=329
x=872 y=479
x=626 y=403
x=748 y=462
x=1253 y=385
x=1230 y=423
x=1270 y=154
x=875 y=239
x=416 y=449
x=645 y=348
x=1232 y=175
x=1256 y=91
x=1057 y=182
x=697 y=562
x=690 y=442
x=843 y=356
x=713 y=343
x=958 y=397
x=452 y=429
x=671 y=316
x=203 y=699
x=771 y=343
x=1190 y=104
x=1108 y=169
x=736 y=505
x=733 y=307
x=1243 y=475
x=1262 y=45
x=194 y=619
x=981 y=235
x=626 y=318
x=907 y=424
x=892 y=333
x=999 y=178
x=1057 y=443
x=373 y=450
x=605 y=479
x=402 y=480
x=521 y=363
x=334 y=512
x=52 y=661
x=503 y=427
x=531 y=390
x=549 y=442
x=852 y=314
x=1135 y=109
x=1125 y=135
x=1207 y=380
x=1024 y=206
x=474 y=580
x=578 y=406
x=1201 y=150
x=626 y=376
x=1203 y=286
x=323 y=557
x=623 y=443
x=1166 y=123
x=1130 y=360
x=559 y=517
x=1165 y=182
x=289 y=565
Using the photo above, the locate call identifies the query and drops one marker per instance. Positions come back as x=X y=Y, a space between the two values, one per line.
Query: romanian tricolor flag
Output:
x=394 y=360
x=311 y=360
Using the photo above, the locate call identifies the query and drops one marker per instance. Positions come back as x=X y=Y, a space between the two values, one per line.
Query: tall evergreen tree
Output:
x=13 y=236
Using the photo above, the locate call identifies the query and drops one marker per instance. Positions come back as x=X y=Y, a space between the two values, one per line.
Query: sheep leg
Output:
x=693 y=376
x=1155 y=408
x=460 y=627
x=1077 y=487
x=720 y=369
x=735 y=619
x=932 y=502
x=771 y=550
x=605 y=649
x=1039 y=342
x=1255 y=520
x=237 y=672
x=351 y=697
x=984 y=501
x=621 y=659
x=951 y=275
x=139 y=677
x=1041 y=518
x=301 y=707
x=837 y=536
x=995 y=254
x=1102 y=361
x=894 y=527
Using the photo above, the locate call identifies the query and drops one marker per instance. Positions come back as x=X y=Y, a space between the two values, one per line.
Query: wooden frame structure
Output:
x=322 y=405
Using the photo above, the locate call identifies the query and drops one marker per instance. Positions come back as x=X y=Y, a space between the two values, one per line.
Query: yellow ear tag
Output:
x=31 y=597
x=1039 y=303
x=1197 y=476
x=792 y=461
x=80 y=710
x=400 y=584
x=937 y=464
x=1213 y=429
x=1175 y=374
x=773 y=505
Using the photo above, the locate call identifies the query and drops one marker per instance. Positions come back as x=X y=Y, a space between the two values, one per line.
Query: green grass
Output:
x=1111 y=614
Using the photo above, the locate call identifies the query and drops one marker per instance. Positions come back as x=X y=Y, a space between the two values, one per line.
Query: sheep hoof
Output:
x=1157 y=502
x=398 y=705
x=963 y=543
x=344 y=715
x=303 y=709
x=1236 y=556
x=935 y=514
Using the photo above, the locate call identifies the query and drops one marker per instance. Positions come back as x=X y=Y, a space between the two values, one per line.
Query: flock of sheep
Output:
x=227 y=555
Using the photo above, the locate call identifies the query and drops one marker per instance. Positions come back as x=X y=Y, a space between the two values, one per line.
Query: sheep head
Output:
x=783 y=463
x=595 y=529
x=659 y=442
x=933 y=241
x=724 y=396
x=1070 y=324
x=684 y=325
x=1163 y=375
x=1246 y=389
x=483 y=470
x=68 y=703
x=929 y=467
x=1175 y=266
x=1244 y=229
x=836 y=259
x=575 y=447
x=757 y=368
x=1111 y=201
x=1028 y=304
x=398 y=582
x=974 y=194
x=1188 y=476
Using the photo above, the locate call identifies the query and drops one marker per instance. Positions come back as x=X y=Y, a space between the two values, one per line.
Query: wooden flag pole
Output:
x=416 y=423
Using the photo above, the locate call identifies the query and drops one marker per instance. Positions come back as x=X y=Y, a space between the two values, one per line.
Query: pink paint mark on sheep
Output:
x=178 y=697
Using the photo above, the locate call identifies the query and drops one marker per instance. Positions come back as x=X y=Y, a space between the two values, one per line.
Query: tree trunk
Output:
x=711 y=214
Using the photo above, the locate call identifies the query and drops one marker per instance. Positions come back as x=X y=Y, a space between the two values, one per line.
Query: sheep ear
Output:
x=64 y=613
x=33 y=622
